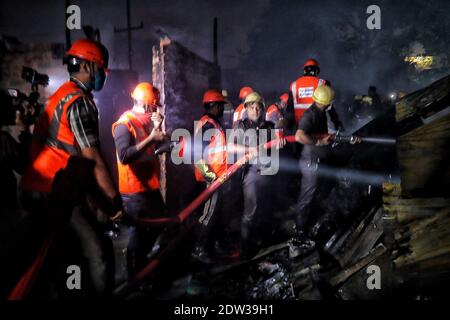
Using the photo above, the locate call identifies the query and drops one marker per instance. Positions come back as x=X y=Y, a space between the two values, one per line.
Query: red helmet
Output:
x=89 y=50
x=311 y=63
x=244 y=92
x=147 y=93
x=284 y=97
x=213 y=95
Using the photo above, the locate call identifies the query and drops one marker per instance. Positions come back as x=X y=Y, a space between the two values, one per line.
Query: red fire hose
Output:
x=23 y=287
x=186 y=212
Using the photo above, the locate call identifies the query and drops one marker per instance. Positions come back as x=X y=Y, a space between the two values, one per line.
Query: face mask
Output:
x=99 y=80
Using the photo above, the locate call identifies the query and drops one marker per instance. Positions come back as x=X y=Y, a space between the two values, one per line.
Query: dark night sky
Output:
x=262 y=43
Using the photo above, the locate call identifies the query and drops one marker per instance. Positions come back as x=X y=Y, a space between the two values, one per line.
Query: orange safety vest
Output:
x=239 y=113
x=217 y=153
x=302 y=92
x=53 y=140
x=137 y=176
x=274 y=111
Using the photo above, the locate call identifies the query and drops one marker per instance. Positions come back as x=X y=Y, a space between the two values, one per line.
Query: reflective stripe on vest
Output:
x=51 y=138
x=53 y=141
x=302 y=92
x=239 y=113
x=273 y=109
x=137 y=176
x=274 y=114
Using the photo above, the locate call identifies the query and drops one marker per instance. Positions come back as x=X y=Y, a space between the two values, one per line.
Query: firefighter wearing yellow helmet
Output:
x=313 y=133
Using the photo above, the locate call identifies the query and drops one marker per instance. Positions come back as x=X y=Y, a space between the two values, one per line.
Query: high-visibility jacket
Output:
x=216 y=150
x=239 y=113
x=274 y=115
x=302 y=92
x=142 y=174
x=53 y=140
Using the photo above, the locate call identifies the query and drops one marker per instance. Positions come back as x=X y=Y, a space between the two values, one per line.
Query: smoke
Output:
x=262 y=43
x=352 y=57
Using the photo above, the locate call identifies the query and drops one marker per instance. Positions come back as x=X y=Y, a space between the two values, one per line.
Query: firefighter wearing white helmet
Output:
x=257 y=187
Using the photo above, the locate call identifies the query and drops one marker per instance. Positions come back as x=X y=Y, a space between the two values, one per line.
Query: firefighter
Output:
x=276 y=112
x=313 y=133
x=239 y=113
x=210 y=163
x=69 y=126
x=256 y=185
x=302 y=89
x=136 y=134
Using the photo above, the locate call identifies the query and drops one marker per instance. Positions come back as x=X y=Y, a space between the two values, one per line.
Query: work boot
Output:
x=297 y=249
x=199 y=254
x=303 y=239
x=300 y=245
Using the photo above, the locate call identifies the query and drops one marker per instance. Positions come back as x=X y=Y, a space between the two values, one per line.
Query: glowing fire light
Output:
x=420 y=62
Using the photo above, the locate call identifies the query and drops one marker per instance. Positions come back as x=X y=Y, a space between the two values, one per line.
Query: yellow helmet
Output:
x=254 y=97
x=324 y=95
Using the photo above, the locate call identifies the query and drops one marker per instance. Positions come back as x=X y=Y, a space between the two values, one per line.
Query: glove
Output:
x=207 y=174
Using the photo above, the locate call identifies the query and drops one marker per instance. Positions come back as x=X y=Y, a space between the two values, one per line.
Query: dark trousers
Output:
x=312 y=184
x=258 y=198
x=213 y=221
x=84 y=233
x=148 y=204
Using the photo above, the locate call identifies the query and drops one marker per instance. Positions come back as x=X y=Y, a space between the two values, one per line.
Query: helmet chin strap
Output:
x=90 y=85
x=91 y=71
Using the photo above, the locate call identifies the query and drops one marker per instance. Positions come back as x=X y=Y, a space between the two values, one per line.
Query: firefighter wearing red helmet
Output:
x=69 y=127
x=303 y=88
x=239 y=113
x=276 y=113
x=210 y=163
x=136 y=134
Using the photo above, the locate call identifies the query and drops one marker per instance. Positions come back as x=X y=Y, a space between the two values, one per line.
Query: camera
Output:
x=12 y=101
x=35 y=78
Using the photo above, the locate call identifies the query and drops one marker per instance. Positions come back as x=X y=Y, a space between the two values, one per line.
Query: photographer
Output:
x=13 y=155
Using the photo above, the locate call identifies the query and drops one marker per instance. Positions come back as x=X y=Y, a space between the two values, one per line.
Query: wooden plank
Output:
x=427 y=239
x=419 y=102
x=407 y=210
x=348 y=239
x=364 y=243
x=347 y=273
x=391 y=189
x=424 y=159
